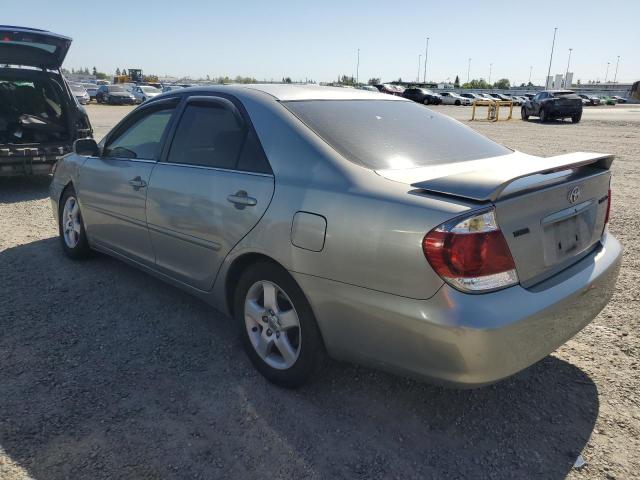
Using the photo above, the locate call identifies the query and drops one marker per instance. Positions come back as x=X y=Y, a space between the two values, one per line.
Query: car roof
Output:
x=288 y=92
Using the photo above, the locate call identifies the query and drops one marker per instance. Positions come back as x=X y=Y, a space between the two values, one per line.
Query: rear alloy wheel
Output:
x=543 y=116
x=278 y=328
x=523 y=114
x=71 y=227
x=576 y=118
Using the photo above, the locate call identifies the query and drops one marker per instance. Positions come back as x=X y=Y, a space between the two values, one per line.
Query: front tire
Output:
x=576 y=118
x=71 y=227
x=278 y=329
x=523 y=114
x=457 y=103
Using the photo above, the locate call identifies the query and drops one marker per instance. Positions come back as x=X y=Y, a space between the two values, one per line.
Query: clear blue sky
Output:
x=319 y=39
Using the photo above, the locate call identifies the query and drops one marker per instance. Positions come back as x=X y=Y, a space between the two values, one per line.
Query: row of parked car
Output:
x=428 y=97
x=118 y=94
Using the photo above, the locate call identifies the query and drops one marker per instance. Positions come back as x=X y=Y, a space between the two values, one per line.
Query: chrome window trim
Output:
x=217 y=169
x=125 y=159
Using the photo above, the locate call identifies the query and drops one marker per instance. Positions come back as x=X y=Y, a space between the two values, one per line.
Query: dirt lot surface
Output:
x=106 y=372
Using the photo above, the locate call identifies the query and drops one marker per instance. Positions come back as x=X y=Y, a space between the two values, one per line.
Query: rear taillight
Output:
x=471 y=254
x=606 y=216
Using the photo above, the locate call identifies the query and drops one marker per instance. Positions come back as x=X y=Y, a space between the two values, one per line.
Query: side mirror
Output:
x=87 y=147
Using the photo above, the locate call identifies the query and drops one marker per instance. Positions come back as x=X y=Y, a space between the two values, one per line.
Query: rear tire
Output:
x=73 y=236
x=576 y=118
x=543 y=116
x=523 y=114
x=277 y=326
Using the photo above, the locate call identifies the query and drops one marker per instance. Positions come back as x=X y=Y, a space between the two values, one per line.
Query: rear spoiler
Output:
x=488 y=184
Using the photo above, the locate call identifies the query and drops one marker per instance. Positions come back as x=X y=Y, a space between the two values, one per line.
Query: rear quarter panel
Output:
x=374 y=226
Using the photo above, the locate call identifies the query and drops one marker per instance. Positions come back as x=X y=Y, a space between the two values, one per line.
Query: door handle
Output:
x=241 y=199
x=137 y=183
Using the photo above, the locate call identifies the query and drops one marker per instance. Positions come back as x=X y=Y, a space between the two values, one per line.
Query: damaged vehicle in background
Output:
x=39 y=116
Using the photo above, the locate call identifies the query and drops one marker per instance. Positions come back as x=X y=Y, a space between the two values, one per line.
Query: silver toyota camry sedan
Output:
x=349 y=224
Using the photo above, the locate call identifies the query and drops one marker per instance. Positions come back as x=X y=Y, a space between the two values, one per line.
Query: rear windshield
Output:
x=381 y=134
x=115 y=88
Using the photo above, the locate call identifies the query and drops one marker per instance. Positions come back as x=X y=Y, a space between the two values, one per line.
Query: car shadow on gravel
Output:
x=109 y=373
x=22 y=189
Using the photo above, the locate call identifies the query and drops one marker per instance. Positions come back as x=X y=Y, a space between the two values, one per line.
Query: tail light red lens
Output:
x=606 y=216
x=471 y=253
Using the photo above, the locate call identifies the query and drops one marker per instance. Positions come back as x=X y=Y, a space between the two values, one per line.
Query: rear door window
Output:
x=211 y=135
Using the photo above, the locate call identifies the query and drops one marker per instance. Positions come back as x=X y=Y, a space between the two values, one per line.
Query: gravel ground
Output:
x=106 y=372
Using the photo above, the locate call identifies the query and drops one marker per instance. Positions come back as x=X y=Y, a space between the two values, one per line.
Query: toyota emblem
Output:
x=574 y=195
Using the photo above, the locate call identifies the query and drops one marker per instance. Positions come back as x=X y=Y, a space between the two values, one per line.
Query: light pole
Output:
x=426 y=57
x=530 y=70
x=358 y=69
x=553 y=44
x=615 y=77
x=469 y=71
x=419 y=65
x=490 y=67
x=567 y=72
x=606 y=75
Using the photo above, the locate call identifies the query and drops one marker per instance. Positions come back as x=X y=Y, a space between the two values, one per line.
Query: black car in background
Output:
x=39 y=116
x=422 y=95
x=114 y=95
x=553 y=104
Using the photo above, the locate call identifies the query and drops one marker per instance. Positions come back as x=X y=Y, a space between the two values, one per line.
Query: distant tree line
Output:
x=503 y=83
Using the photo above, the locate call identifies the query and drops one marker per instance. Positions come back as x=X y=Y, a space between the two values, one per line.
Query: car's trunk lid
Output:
x=551 y=210
x=32 y=47
x=567 y=100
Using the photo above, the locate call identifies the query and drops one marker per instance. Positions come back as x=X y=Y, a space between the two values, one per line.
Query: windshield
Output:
x=149 y=90
x=77 y=88
x=115 y=88
x=381 y=134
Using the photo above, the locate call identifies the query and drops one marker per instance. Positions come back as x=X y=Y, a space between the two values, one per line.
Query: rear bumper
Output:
x=18 y=165
x=461 y=339
x=560 y=112
x=120 y=101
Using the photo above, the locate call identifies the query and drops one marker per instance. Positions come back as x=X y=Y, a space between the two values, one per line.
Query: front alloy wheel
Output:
x=71 y=227
x=71 y=222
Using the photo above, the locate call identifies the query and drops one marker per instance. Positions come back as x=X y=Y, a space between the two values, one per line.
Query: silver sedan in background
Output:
x=340 y=222
x=142 y=93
